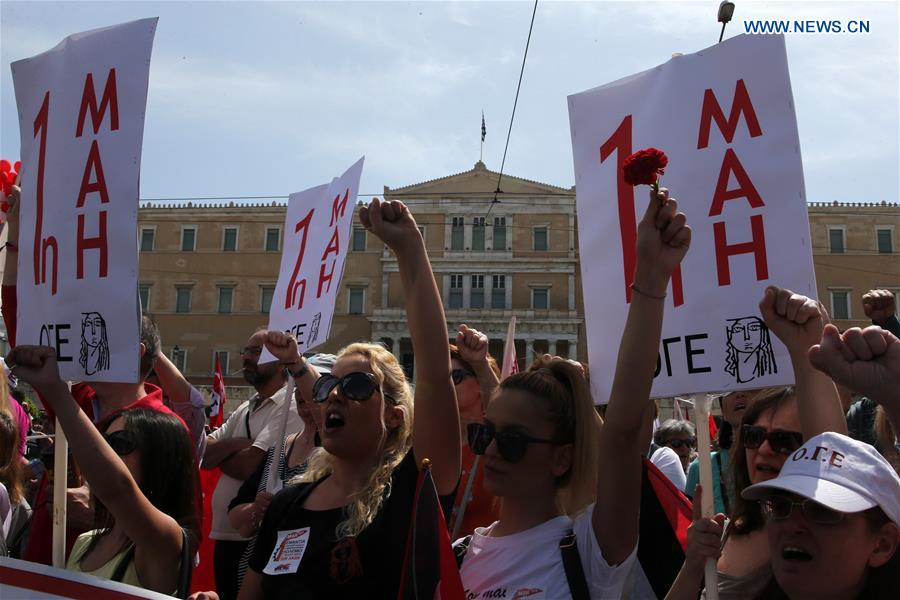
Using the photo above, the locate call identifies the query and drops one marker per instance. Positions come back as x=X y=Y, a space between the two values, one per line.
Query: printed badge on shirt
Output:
x=288 y=552
x=508 y=593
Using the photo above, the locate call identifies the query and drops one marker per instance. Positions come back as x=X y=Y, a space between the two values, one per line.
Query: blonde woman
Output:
x=568 y=522
x=341 y=532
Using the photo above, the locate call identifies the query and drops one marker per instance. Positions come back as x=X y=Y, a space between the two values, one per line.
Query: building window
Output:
x=148 y=235
x=223 y=361
x=226 y=299
x=359 y=239
x=477 y=295
x=456 y=292
x=836 y=240
x=179 y=358
x=273 y=239
x=540 y=298
x=422 y=232
x=498 y=291
x=885 y=238
x=356 y=300
x=540 y=238
x=188 y=238
x=229 y=239
x=478 y=234
x=266 y=293
x=457 y=234
x=499 y=233
x=183 y=299
x=840 y=304
x=144 y=292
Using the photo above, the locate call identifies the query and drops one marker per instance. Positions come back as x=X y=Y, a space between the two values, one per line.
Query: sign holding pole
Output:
x=81 y=121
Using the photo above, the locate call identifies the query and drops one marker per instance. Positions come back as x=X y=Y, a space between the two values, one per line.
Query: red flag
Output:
x=510 y=361
x=429 y=564
x=666 y=514
x=203 y=577
x=217 y=408
x=712 y=428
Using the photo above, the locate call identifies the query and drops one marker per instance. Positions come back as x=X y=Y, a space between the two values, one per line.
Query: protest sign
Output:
x=725 y=117
x=25 y=580
x=316 y=239
x=81 y=121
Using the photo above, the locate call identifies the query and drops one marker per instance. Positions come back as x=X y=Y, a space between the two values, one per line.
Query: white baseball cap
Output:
x=839 y=472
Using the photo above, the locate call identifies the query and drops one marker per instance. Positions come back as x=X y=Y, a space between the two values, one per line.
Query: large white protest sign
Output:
x=316 y=239
x=725 y=117
x=81 y=121
x=21 y=580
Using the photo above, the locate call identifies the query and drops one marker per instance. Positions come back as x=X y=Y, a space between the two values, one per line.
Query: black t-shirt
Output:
x=367 y=566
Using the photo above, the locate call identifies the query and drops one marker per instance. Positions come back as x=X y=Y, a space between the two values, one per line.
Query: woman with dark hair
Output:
x=833 y=523
x=744 y=559
x=570 y=491
x=141 y=471
x=14 y=509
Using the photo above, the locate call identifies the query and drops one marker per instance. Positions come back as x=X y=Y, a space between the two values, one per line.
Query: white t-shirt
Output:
x=264 y=427
x=529 y=564
x=667 y=461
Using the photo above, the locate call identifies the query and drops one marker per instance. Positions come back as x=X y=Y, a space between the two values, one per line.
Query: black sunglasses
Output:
x=357 y=386
x=121 y=442
x=782 y=441
x=678 y=443
x=459 y=375
x=780 y=507
x=511 y=445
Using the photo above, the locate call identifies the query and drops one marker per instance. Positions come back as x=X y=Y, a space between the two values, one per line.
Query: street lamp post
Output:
x=726 y=11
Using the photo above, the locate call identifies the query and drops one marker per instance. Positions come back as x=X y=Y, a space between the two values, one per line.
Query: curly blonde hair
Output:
x=365 y=504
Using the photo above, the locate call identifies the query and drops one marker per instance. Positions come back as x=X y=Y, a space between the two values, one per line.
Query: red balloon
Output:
x=5 y=166
x=18 y=166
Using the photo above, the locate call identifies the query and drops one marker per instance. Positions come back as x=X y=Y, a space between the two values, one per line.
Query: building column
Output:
x=573 y=349
x=529 y=351
x=551 y=347
x=384 y=290
x=395 y=347
x=571 y=291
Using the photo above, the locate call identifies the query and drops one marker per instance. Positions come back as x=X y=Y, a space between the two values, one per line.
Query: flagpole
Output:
x=467 y=496
x=60 y=483
x=701 y=413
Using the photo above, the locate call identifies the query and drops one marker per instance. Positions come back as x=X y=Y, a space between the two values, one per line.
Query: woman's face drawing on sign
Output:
x=92 y=327
x=746 y=334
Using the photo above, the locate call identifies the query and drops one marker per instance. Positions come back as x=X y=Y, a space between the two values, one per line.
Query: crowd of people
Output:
x=541 y=494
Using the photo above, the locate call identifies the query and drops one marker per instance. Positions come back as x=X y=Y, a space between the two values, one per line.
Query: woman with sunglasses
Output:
x=775 y=432
x=570 y=492
x=833 y=523
x=476 y=378
x=341 y=531
x=142 y=476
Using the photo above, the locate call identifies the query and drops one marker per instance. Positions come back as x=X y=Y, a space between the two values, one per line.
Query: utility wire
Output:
x=512 y=117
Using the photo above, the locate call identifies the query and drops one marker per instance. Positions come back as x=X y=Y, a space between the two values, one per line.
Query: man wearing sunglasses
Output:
x=238 y=447
x=679 y=436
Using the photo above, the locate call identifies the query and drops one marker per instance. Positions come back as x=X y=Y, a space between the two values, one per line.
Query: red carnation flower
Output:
x=645 y=167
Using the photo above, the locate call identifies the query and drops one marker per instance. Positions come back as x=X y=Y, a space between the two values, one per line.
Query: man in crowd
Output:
x=238 y=447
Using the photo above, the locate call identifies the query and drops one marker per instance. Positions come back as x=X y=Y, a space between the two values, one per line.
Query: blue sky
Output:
x=268 y=98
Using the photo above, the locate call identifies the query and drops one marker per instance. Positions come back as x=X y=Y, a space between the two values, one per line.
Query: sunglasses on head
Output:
x=357 y=386
x=511 y=445
x=121 y=442
x=779 y=508
x=459 y=375
x=781 y=441
x=677 y=443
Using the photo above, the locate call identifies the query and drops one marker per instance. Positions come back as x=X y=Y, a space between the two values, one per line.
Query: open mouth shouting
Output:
x=334 y=420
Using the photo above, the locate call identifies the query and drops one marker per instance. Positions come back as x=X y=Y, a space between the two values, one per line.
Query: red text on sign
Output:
x=620 y=143
x=42 y=245
x=296 y=289
x=756 y=246
x=712 y=110
x=109 y=99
